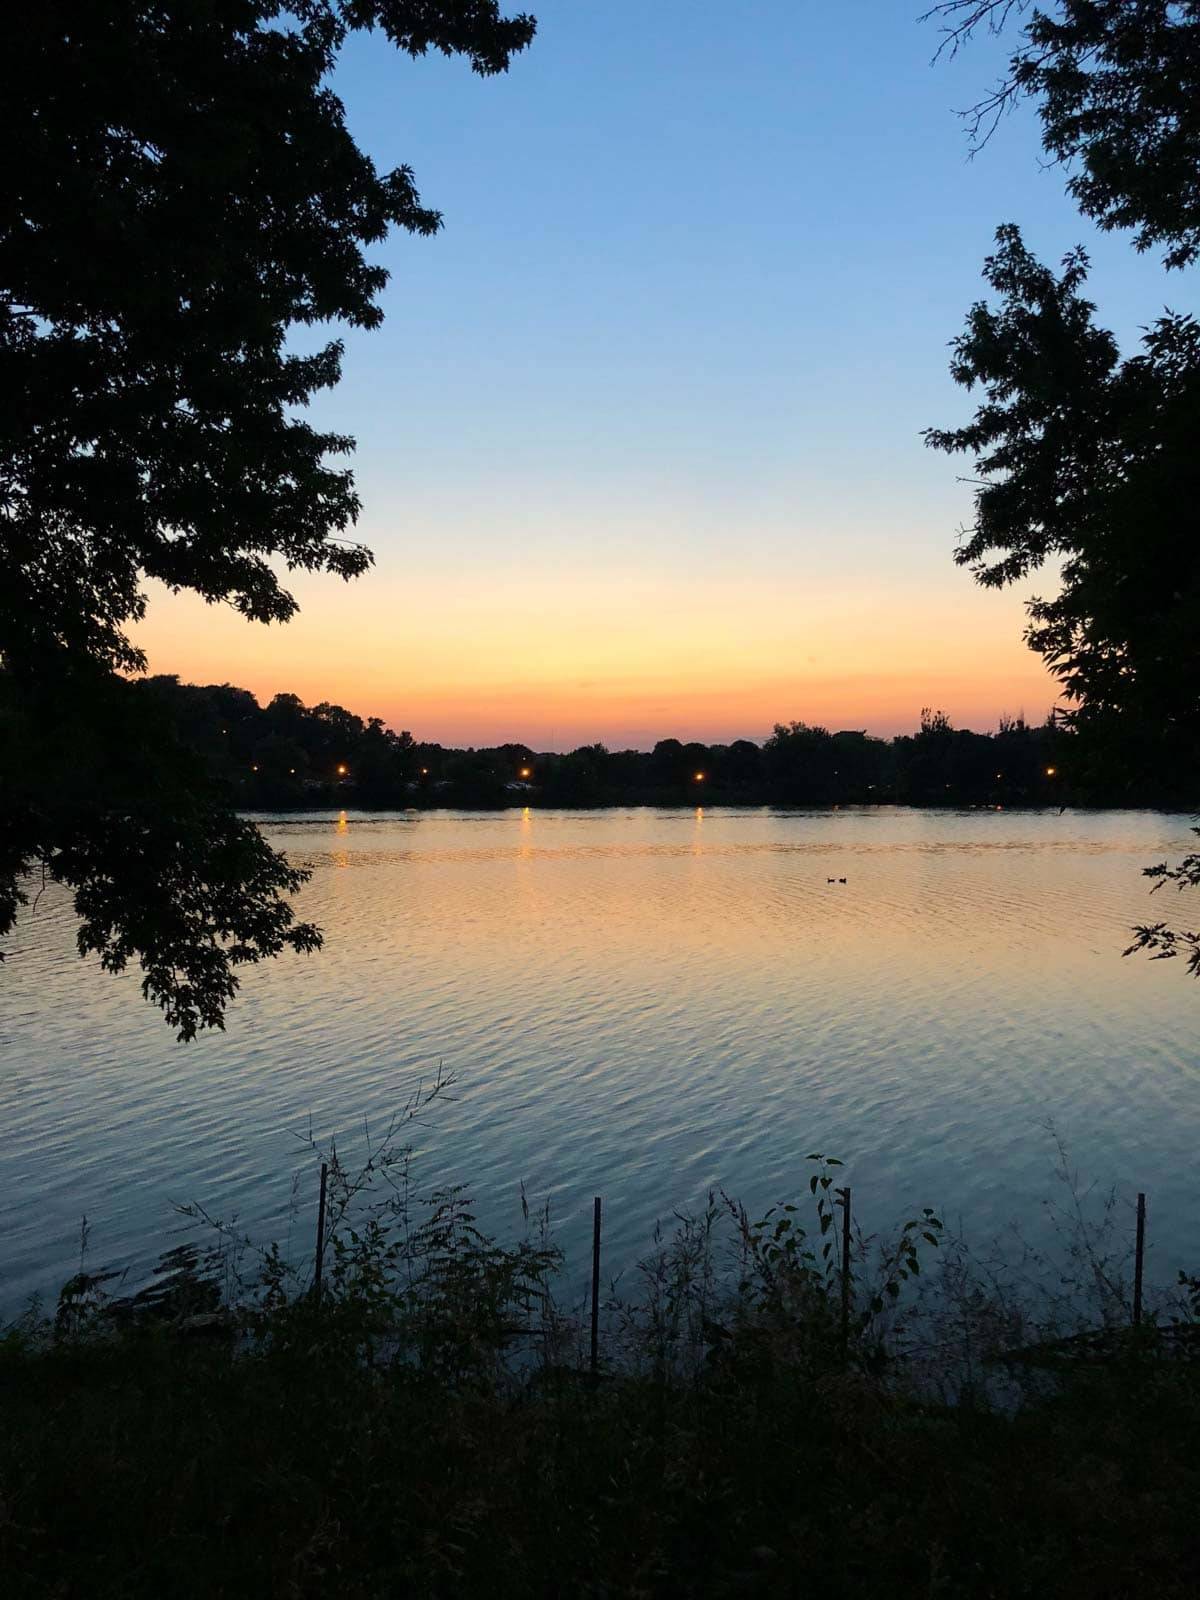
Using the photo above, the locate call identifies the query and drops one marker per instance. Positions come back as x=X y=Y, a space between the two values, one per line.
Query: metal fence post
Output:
x=320 y=1261
x=595 y=1286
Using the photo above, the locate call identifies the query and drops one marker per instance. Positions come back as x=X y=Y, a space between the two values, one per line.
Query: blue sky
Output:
x=669 y=359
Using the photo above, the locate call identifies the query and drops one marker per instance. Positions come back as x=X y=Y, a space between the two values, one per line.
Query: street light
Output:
x=1050 y=771
x=699 y=777
x=342 y=769
x=526 y=772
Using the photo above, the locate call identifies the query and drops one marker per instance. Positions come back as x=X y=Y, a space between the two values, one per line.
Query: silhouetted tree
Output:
x=577 y=779
x=1116 y=89
x=287 y=754
x=862 y=768
x=668 y=763
x=179 y=191
x=697 y=763
x=800 y=762
x=1092 y=460
x=741 y=765
x=1084 y=456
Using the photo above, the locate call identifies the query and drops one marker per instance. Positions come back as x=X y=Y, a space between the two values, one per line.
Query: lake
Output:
x=640 y=1004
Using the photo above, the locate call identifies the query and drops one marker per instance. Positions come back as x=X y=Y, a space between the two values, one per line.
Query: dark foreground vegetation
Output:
x=430 y=1425
x=287 y=754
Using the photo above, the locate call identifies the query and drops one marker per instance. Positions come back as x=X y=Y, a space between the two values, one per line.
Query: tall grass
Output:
x=944 y=1422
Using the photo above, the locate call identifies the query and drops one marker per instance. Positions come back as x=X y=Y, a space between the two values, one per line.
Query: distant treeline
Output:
x=287 y=754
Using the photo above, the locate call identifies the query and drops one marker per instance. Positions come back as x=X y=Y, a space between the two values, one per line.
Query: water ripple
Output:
x=637 y=1003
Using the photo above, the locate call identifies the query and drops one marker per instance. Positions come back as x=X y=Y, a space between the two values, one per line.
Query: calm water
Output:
x=640 y=1004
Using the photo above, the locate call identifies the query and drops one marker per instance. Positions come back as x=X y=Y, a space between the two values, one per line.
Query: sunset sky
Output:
x=639 y=441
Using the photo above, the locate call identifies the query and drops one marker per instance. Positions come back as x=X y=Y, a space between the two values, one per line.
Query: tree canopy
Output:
x=1081 y=455
x=285 y=755
x=1092 y=459
x=181 y=193
x=1117 y=87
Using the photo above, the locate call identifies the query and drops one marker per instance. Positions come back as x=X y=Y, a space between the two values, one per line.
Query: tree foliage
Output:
x=1080 y=455
x=181 y=194
x=286 y=755
x=1090 y=459
x=1117 y=86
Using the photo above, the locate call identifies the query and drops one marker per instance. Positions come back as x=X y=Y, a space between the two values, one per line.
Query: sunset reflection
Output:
x=619 y=884
x=646 y=969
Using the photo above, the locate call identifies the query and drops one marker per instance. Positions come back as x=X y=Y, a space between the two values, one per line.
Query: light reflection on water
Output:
x=638 y=1004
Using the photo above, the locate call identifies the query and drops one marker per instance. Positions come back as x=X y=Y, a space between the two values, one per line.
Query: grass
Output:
x=429 y=1426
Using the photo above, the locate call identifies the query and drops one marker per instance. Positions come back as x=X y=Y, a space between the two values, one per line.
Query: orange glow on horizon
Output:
x=625 y=659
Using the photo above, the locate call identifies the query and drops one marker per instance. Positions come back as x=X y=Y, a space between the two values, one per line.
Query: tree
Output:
x=741 y=764
x=1091 y=459
x=800 y=762
x=180 y=193
x=1118 y=95
x=1079 y=454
